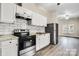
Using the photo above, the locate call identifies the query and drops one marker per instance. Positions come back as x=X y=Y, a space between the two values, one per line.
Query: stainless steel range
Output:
x=26 y=43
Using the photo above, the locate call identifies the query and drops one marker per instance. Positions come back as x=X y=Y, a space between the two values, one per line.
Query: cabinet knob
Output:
x=16 y=44
x=10 y=42
x=24 y=13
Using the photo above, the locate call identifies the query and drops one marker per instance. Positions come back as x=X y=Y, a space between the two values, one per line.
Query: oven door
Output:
x=27 y=43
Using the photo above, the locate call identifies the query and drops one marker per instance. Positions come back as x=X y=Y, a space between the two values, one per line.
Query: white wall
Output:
x=63 y=22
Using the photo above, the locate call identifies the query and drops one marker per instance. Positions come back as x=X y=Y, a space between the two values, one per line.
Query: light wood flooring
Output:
x=66 y=47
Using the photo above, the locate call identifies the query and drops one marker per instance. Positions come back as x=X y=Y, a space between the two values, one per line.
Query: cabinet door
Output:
x=19 y=10
x=47 y=39
x=37 y=43
x=44 y=21
x=8 y=12
x=42 y=41
x=9 y=48
x=35 y=19
x=24 y=12
x=28 y=13
x=39 y=20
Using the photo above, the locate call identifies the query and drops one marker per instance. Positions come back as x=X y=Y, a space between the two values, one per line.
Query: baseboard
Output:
x=69 y=36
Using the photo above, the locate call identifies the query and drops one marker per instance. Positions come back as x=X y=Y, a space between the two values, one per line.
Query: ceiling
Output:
x=48 y=6
x=71 y=9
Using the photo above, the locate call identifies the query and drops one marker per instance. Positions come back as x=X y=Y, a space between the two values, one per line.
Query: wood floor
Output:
x=66 y=47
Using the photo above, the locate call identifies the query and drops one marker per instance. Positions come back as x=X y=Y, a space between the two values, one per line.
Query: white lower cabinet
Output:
x=37 y=43
x=9 y=48
x=42 y=40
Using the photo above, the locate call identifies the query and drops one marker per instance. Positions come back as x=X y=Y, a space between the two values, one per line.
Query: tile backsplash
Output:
x=6 y=28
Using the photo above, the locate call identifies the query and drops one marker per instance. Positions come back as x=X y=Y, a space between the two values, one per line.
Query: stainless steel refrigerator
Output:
x=52 y=28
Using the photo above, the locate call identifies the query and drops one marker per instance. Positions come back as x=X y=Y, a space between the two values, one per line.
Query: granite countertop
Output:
x=7 y=37
x=42 y=33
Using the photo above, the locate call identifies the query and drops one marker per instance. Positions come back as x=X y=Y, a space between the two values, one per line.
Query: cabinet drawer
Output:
x=8 y=42
x=27 y=49
x=30 y=53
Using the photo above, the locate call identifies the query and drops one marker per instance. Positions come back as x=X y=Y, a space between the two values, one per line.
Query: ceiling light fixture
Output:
x=67 y=14
x=58 y=4
x=67 y=17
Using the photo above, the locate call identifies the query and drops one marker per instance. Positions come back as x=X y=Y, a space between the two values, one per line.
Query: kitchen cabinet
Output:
x=24 y=12
x=36 y=18
x=37 y=42
x=7 y=12
x=19 y=9
x=9 y=47
x=42 y=40
x=39 y=20
x=43 y=21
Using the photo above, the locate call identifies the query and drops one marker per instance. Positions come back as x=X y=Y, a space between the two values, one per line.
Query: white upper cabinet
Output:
x=24 y=12
x=7 y=12
x=19 y=10
x=43 y=21
x=39 y=20
x=36 y=18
